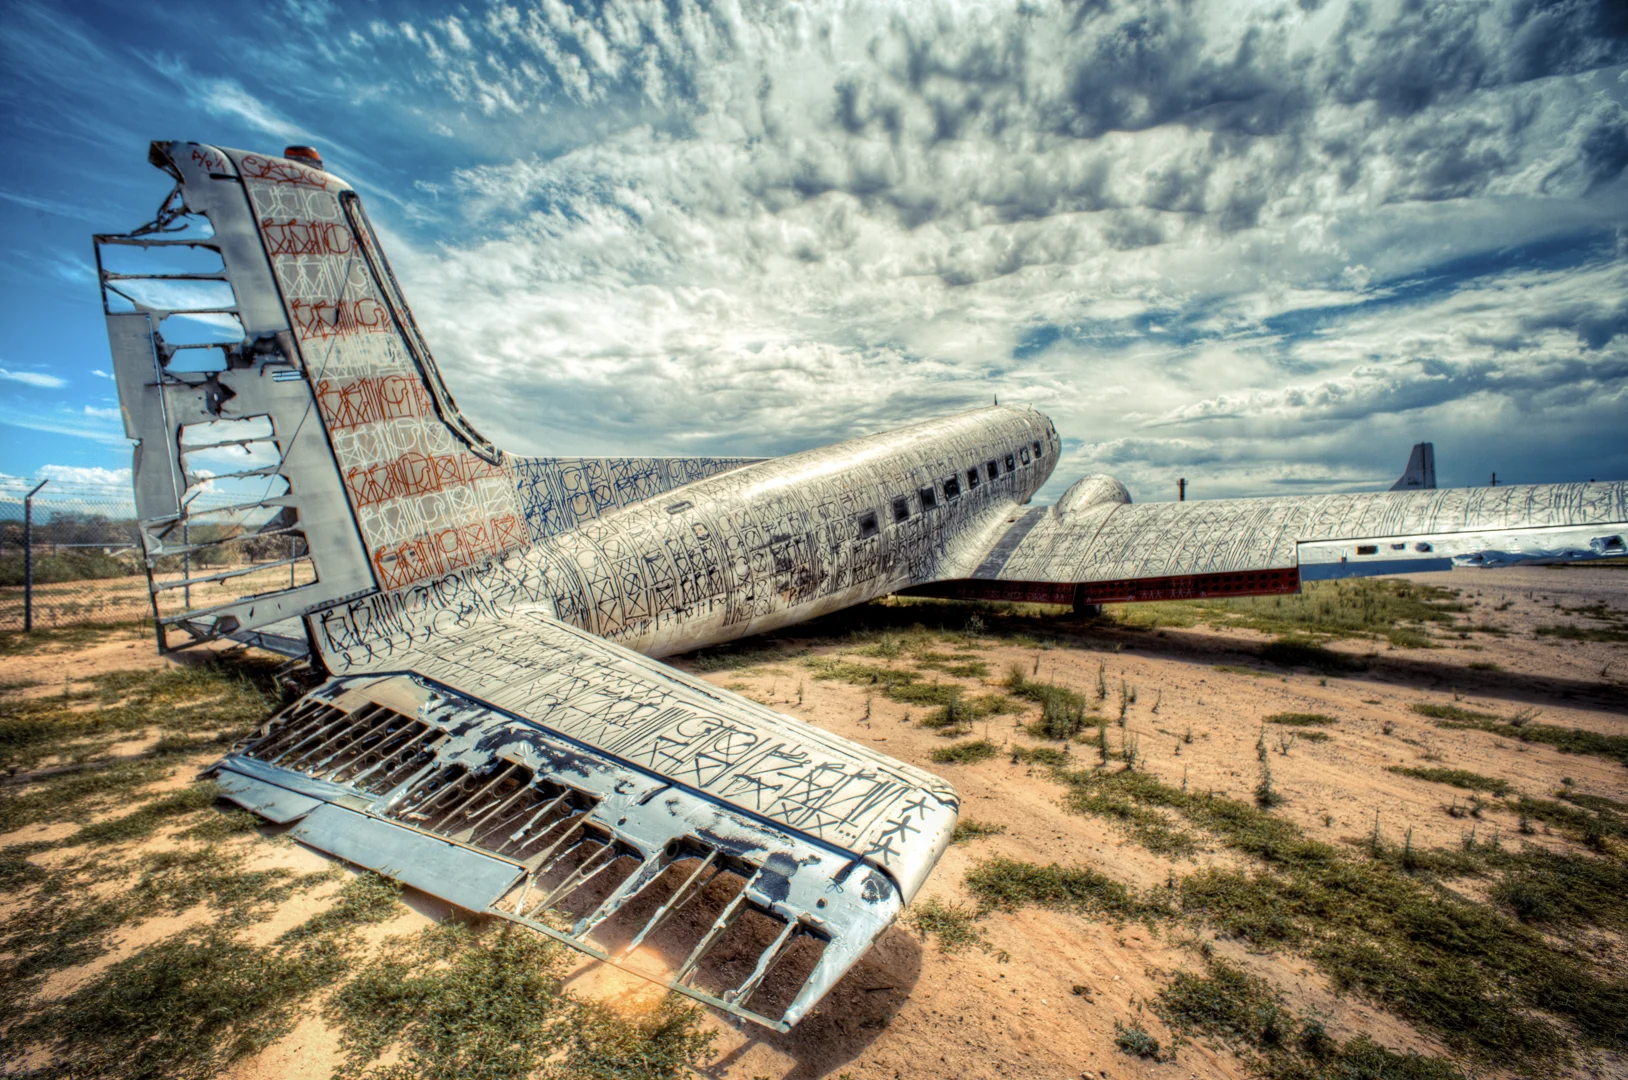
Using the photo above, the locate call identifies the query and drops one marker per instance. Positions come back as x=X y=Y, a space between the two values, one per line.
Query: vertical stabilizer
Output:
x=243 y=513
x=1420 y=475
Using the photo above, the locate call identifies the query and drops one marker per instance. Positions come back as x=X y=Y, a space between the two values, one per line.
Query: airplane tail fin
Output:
x=270 y=371
x=296 y=445
x=1420 y=475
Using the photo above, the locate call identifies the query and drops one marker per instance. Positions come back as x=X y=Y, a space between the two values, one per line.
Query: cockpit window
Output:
x=972 y=478
x=901 y=508
x=1023 y=451
x=1037 y=450
x=867 y=525
x=993 y=469
x=1011 y=463
x=952 y=487
x=929 y=498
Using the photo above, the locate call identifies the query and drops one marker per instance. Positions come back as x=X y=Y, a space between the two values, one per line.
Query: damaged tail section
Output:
x=215 y=389
x=266 y=358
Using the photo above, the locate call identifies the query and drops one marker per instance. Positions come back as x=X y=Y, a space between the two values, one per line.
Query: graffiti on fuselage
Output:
x=750 y=550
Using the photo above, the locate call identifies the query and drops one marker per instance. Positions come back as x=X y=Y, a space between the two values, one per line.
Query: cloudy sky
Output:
x=1266 y=246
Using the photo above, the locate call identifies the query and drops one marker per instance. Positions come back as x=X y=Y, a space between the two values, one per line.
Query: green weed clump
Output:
x=962 y=665
x=1521 y=727
x=968 y=829
x=1563 y=890
x=193 y=1003
x=452 y=1002
x=1062 y=711
x=1117 y=797
x=1247 y=1015
x=1485 y=983
x=186 y=1007
x=1009 y=884
x=1039 y=755
x=1135 y=1040
x=955 y=925
x=1568 y=632
x=1585 y=818
x=1301 y=719
x=966 y=753
x=143 y=822
x=959 y=712
x=1459 y=778
x=1365 y=607
x=178 y=701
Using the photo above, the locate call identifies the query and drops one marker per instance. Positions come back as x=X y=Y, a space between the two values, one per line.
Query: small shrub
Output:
x=966 y=753
x=954 y=925
x=1301 y=719
x=968 y=829
x=1135 y=1041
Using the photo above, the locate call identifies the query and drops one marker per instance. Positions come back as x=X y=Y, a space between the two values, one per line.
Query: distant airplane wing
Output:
x=529 y=770
x=1094 y=547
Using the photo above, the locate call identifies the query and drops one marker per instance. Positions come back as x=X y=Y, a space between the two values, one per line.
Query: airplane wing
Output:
x=523 y=768
x=1095 y=547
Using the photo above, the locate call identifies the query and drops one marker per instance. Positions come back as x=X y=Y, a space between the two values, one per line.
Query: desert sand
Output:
x=1042 y=996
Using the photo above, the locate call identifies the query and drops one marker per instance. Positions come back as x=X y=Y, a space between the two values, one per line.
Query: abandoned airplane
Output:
x=494 y=728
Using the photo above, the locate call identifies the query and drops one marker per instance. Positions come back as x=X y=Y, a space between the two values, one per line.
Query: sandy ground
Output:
x=909 y=1010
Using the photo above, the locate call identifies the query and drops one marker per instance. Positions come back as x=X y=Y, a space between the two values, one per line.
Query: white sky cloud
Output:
x=33 y=378
x=1264 y=246
x=84 y=474
x=1251 y=224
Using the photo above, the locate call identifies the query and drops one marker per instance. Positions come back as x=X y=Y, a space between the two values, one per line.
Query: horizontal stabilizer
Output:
x=532 y=772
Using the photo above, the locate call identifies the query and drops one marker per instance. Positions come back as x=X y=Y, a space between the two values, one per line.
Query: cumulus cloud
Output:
x=788 y=225
x=1265 y=246
x=33 y=378
x=84 y=474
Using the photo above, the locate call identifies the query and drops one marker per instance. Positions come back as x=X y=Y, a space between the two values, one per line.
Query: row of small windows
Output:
x=869 y=526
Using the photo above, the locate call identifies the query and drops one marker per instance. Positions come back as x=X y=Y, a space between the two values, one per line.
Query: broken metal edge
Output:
x=810 y=886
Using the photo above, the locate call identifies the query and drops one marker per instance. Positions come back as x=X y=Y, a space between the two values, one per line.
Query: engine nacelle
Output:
x=1089 y=492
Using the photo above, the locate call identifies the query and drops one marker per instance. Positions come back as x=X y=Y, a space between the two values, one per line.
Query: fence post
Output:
x=28 y=557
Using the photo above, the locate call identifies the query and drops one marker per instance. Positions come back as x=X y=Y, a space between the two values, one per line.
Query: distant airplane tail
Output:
x=1420 y=475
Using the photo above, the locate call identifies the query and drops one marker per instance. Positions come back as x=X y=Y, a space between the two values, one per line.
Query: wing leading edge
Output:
x=1108 y=550
x=531 y=771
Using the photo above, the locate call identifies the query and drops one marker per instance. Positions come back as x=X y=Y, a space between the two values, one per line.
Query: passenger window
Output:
x=993 y=470
x=1367 y=549
x=952 y=488
x=867 y=525
x=901 y=508
x=1023 y=451
x=929 y=498
x=1011 y=463
x=972 y=479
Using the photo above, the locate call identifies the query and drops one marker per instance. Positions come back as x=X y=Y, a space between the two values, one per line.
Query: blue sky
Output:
x=1265 y=246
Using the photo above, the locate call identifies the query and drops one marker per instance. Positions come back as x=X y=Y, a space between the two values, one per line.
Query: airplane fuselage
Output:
x=792 y=538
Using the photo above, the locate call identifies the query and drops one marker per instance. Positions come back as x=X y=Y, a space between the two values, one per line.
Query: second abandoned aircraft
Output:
x=494 y=729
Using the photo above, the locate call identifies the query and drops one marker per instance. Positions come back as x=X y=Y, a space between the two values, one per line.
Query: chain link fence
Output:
x=70 y=554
